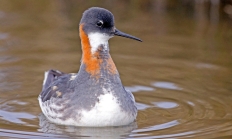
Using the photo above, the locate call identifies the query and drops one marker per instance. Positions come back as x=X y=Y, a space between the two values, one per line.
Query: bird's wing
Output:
x=56 y=84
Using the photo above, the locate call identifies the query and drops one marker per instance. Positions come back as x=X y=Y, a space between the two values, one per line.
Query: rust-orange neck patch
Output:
x=93 y=61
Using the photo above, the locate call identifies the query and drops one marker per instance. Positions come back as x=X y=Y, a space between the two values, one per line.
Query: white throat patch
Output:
x=98 y=39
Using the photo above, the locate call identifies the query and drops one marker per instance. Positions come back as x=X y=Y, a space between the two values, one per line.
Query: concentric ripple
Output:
x=181 y=75
x=173 y=112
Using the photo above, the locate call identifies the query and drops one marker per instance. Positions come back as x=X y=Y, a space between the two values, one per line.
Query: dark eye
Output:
x=99 y=23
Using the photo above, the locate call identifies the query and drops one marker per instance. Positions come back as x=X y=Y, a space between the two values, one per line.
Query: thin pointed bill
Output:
x=122 y=34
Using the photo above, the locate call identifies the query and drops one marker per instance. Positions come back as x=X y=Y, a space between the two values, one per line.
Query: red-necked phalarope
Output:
x=95 y=95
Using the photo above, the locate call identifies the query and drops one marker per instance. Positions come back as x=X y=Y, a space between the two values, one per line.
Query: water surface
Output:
x=181 y=75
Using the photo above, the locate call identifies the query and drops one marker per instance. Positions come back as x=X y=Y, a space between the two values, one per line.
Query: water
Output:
x=180 y=75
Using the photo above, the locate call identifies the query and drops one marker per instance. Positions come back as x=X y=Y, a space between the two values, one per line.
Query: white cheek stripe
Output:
x=97 y=39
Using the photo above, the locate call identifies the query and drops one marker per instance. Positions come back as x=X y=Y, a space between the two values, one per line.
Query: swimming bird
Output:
x=95 y=96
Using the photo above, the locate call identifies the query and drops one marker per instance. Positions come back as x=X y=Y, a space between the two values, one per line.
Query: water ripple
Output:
x=158 y=127
x=15 y=117
x=138 y=88
x=165 y=105
x=166 y=85
x=172 y=112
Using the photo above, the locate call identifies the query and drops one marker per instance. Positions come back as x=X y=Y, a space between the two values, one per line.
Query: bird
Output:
x=95 y=95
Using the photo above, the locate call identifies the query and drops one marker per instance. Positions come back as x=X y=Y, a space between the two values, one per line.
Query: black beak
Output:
x=122 y=34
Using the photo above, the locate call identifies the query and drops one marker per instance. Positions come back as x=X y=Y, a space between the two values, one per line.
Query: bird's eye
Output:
x=99 y=23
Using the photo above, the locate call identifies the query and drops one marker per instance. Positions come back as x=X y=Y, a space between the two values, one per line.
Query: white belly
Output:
x=106 y=112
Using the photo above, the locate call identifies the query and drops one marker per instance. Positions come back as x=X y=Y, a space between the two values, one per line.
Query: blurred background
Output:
x=180 y=75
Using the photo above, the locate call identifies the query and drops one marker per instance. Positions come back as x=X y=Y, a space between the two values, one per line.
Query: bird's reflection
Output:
x=90 y=132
